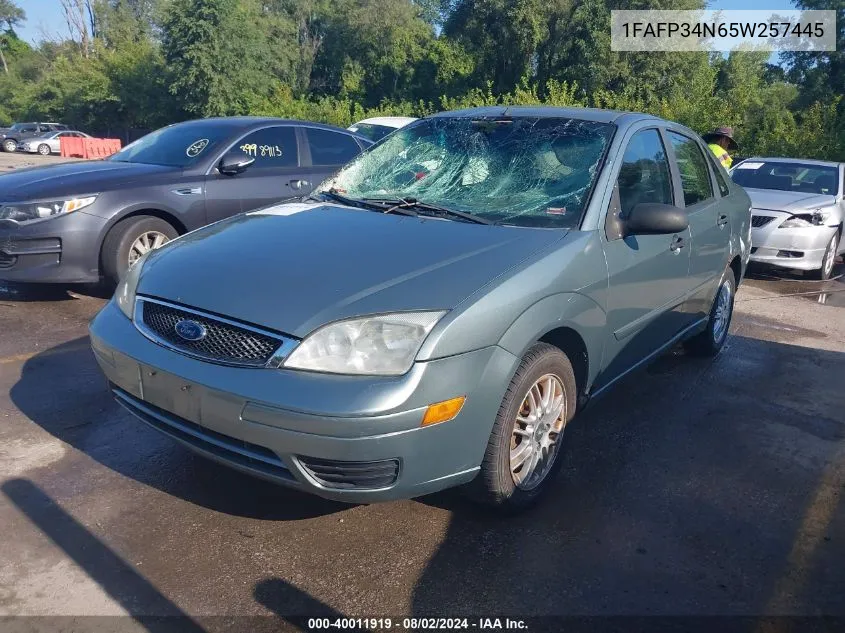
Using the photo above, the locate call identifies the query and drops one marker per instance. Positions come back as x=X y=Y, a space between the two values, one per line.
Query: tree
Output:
x=81 y=22
x=11 y=15
x=216 y=52
x=501 y=35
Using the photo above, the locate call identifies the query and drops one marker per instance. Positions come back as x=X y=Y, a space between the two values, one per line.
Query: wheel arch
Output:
x=572 y=322
x=568 y=341
x=736 y=267
x=143 y=210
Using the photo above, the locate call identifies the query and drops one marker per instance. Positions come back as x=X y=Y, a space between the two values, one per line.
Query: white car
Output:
x=797 y=211
x=48 y=143
x=378 y=127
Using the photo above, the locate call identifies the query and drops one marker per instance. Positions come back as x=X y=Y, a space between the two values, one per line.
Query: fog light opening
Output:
x=443 y=411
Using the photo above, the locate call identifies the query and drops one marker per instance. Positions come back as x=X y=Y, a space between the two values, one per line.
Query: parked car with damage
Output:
x=10 y=138
x=798 y=208
x=49 y=143
x=437 y=313
x=85 y=220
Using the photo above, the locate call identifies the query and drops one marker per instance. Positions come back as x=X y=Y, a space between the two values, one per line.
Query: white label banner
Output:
x=725 y=31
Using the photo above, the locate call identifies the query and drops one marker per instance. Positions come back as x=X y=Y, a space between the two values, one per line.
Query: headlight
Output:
x=124 y=294
x=384 y=345
x=816 y=218
x=26 y=211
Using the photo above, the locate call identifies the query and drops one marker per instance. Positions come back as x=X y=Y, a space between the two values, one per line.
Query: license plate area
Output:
x=178 y=396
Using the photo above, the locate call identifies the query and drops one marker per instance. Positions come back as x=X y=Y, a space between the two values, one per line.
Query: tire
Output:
x=497 y=484
x=118 y=245
x=44 y=149
x=10 y=145
x=712 y=339
x=829 y=258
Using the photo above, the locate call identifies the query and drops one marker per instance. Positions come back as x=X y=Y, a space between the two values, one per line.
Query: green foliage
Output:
x=153 y=62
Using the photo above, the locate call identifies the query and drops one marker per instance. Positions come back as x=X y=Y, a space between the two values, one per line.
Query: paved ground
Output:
x=18 y=160
x=699 y=487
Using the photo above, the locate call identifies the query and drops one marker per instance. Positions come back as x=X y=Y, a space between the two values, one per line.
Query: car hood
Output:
x=790 y=201
x=73 y=178
x=296 y=267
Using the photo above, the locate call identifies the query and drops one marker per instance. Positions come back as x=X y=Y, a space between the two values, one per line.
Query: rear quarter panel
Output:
x=738 y=207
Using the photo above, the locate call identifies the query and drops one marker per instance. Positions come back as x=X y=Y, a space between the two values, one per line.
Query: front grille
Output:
x=760 y=220
x=359 y=475
x=223 y=446
x=223 y=342
x=6 y=260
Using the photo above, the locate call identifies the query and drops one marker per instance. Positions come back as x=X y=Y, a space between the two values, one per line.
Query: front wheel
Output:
x=10 y=145
x=826 y=270
x=129 y=239
x=712 y=339
x=523 y=451
x=44 y=149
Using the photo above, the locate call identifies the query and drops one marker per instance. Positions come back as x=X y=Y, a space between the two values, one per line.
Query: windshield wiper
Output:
x=370 y=204
x=424 y=208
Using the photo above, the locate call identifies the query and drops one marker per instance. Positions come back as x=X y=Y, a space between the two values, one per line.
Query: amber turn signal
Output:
x=443 y=411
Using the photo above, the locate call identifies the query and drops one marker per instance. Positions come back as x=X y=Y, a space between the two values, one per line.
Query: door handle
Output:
x=677 y=244
x=722 y=222
x=299 y=184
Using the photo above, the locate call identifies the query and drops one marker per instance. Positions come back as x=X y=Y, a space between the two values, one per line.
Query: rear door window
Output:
x=695 y=175
x=720 y=181
x=271 y=147
x=329 y=147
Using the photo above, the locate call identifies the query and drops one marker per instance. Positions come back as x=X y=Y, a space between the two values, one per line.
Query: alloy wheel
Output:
x=147 y=241
x=829 y=257
x=10 y=146
x=44 y=149
x=722 y=315
x=536 y=432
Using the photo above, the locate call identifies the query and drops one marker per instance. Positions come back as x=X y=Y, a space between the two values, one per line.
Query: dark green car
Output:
x=436 y=313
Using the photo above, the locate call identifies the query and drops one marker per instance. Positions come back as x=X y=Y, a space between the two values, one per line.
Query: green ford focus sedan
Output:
x=437 y=312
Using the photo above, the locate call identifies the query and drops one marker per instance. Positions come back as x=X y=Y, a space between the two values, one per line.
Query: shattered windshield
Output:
x=524 y=171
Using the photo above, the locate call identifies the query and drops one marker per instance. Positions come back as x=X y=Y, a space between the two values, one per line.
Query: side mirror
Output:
x=234 y=163
x=655 y=218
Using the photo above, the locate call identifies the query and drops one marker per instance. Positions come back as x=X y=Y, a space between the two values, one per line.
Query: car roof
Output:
x=782 y=159
x=587 y=114
x=388 y=121
x=247 y=122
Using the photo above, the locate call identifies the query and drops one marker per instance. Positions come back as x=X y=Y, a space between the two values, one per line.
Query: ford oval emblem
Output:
x=190 y=330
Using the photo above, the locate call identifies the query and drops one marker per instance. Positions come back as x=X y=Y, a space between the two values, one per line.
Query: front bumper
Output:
x=64 y=249
x=277 y=424
x=798 y=248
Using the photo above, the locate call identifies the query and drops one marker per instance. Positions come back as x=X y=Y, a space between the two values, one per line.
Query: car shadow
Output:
x=144 y=603
x=64 y=392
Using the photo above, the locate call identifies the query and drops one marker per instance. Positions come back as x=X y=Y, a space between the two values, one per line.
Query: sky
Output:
x=45 y=16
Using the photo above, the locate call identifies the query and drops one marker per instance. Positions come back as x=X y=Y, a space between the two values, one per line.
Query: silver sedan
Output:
x=797 y=211
x=48 y=143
